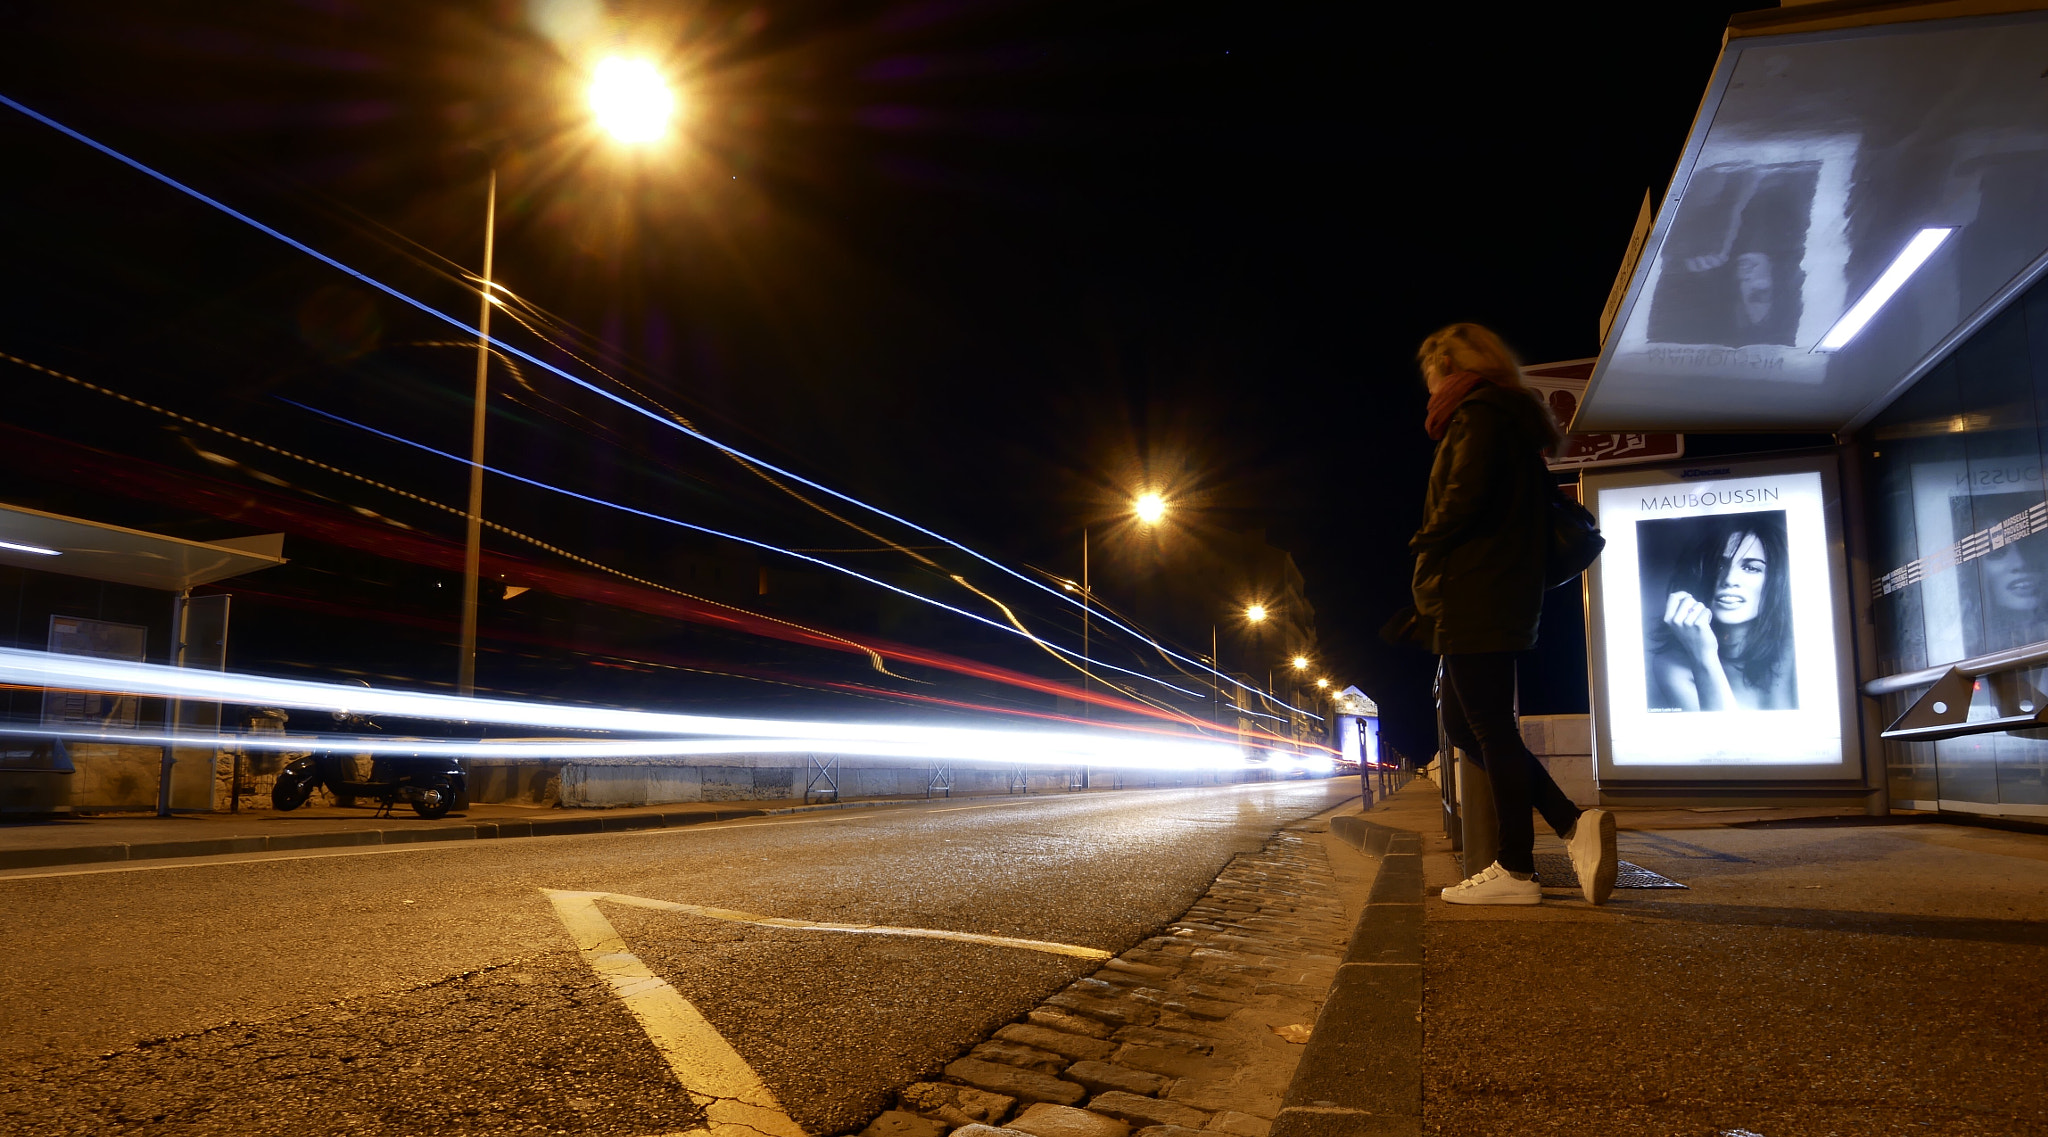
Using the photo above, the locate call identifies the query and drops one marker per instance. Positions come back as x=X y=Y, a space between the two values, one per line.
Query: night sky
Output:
x=991 y=264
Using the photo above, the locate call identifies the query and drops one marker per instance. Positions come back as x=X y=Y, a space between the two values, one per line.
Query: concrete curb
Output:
x=1361 y=1073
x=409 y=835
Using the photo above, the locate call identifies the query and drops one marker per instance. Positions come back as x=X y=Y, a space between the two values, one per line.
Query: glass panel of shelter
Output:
x=1959 y=515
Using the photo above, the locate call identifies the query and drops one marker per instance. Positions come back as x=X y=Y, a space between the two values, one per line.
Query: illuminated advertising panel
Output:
x=1719 y=637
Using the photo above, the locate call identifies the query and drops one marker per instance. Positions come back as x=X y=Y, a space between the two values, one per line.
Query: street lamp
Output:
x=1150 y=507
x=1323 y=683
x=631 y=100
x=1256 y=613
x=1301 y=663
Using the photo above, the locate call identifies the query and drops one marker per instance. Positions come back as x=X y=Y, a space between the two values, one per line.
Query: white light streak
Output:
x=656 y=417
x=701 y=734
x=38 y=550
x=1903 y=266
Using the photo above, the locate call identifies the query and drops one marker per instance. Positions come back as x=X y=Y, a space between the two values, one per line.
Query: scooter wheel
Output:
x=290 y=793
x=434 y=802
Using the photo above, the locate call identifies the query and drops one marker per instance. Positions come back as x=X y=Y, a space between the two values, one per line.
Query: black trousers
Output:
x=1479 y=717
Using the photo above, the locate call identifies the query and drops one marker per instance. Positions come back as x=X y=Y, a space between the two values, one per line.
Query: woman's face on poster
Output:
x=1753 y=284
x=2013 y=579
x=1739 y=594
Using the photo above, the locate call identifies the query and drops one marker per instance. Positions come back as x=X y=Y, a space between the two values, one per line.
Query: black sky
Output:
x=986 y=262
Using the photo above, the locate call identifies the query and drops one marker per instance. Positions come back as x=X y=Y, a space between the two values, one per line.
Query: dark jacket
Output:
x=1479 y=553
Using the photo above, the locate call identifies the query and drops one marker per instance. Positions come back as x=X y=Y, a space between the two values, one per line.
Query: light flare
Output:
x=631 y=99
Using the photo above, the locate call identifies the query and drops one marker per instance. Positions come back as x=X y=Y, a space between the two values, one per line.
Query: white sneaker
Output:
x=1495 y=885
x=1591 y=844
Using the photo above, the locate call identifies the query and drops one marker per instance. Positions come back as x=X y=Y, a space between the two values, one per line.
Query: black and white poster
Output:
x=1719 y=622
x=1717 y=612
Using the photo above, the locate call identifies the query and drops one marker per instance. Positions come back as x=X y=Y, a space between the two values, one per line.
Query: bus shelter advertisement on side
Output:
x=1719 y=622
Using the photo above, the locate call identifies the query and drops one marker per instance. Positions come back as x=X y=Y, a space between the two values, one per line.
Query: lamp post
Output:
x=473 y=545
x=632 y=102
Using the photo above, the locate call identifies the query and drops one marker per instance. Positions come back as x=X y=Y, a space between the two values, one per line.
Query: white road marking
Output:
x=1050 y=948
x=731 y=1095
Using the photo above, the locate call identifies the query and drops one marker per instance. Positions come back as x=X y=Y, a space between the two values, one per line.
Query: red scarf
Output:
x=1447 y=397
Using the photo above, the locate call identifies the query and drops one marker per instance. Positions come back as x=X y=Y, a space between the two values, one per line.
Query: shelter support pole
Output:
x=173 y=708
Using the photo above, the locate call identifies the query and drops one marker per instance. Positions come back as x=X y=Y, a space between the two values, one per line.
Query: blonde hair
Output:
x=1474 y=348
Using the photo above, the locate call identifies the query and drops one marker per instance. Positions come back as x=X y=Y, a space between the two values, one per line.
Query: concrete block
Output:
x=435 y=833
x=1172 y=1063
x=1387 y=933
x=198 y=847
x=1558 y=734
x=1165 y=1039
x=343 y=839
x=1012 y=1081
x=1241 y=1124
x=1360 y=1073
x=1059 y=1042
x=1213 y=1010
x=901 y=1123
x=1102 y=1077
x=1118 y=1012
x=558 y=826
x=955 y=1105
x=1142 y=970
x=1066 y=1022
x=1016 y=1054
x=1149 y=1111
x=1064 y=1121
x=1343 y=1123
x=80 y=855
x=1575 y=775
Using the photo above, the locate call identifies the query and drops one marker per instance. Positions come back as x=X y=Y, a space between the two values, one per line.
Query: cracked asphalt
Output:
x=430 y=988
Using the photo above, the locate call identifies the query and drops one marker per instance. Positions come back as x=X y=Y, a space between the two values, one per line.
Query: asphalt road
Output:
x=435 y=988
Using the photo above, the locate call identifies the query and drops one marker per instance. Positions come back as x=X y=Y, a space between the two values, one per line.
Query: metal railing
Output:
x=1943 y=710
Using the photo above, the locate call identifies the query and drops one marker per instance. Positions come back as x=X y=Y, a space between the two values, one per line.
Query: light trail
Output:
x=730 y=451
x=874 y=657
x=758 y=544
x=1003 y=748
x=728 y=735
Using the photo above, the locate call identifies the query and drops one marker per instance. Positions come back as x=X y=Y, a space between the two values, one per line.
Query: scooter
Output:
x=430 y=784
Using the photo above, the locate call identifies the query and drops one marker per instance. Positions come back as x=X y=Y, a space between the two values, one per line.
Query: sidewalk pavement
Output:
x=1815 y=978
x=134 y=837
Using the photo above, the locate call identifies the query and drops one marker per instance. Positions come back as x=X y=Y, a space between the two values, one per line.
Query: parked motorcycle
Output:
x=430 y=784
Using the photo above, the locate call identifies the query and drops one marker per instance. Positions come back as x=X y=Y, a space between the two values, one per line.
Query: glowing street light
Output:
x=631 y=100
x=1323 y=683
x=1150 y=507
x=1301 y=663
x=1256 y=613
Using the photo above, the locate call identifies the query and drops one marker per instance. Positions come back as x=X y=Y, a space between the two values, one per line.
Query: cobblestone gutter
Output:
x=1194 y=1032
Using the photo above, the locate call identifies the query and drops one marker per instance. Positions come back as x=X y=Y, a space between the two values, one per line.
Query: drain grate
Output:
x=1555 y=871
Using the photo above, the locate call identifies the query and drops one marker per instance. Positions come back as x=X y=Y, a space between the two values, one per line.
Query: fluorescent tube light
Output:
x=38 y=550
x=1903 y=266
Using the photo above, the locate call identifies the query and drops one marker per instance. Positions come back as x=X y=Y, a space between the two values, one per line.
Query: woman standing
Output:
x=1479 y=594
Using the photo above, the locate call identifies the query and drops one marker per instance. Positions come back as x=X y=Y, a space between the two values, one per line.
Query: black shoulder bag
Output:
x=1575 y=540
